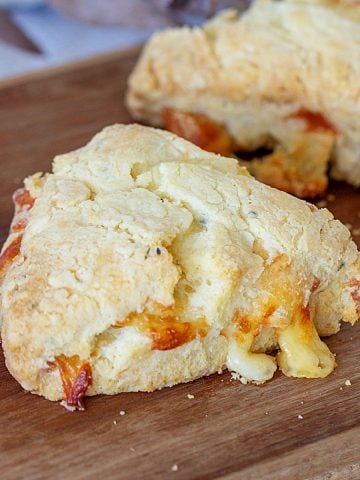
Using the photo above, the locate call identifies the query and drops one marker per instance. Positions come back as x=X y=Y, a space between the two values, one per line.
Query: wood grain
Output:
x=229 y=430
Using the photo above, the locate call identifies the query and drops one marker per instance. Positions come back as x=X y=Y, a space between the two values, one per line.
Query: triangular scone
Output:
x=284 y=76
x=145 y=261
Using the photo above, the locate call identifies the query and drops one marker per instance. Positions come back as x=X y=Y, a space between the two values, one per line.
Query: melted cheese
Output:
x=200 y=130
x=165 y=327
x=257 y=367
x=161 y=328
x=23 y=203
x=302 y=353
x=301 y=356
x=279 y=307
x=76 y=377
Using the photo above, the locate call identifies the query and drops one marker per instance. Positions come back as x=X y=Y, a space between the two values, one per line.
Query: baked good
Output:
x=146 y=261
x=284 y=76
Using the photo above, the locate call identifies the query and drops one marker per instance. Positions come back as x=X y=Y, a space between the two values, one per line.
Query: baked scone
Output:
x=285 y=76
x=144 y=261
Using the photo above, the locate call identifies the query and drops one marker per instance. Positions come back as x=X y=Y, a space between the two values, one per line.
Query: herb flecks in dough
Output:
x=144 y=263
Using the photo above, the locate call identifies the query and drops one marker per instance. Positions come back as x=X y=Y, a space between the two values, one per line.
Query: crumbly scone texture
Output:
x=255 y=73
x=141 y=235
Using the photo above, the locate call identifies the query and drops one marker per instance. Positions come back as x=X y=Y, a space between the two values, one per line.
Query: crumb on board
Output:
x=347 y=383
x=114 y=422
x=237 y=376
x=349 y=225
x=301 y=403
x=300 y=417
x=356 y=232
x=330 y=197
x=122 y=412
x=340 y=388
x=174 y=468
x=132 y=449
x=322 y=204
x=189 y=396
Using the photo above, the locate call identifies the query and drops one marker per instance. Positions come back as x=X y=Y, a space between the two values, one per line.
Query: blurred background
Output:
x=36 y=34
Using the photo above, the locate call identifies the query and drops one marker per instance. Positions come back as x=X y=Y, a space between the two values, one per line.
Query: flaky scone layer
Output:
x=145 y=261
x=284 y=75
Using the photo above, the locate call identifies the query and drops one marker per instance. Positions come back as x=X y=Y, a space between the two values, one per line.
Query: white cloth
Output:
x=61 y=40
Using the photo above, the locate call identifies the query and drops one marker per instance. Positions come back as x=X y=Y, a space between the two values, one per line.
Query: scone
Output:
x=143 y=261
x=284 y=77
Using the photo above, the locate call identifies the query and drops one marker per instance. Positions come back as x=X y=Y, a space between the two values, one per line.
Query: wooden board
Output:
x=228 y=430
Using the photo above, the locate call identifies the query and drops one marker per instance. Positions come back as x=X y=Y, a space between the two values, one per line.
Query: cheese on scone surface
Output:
x=284 y=76
x=143 y=261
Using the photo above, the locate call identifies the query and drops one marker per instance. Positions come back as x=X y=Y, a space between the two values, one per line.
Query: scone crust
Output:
x=139 y=221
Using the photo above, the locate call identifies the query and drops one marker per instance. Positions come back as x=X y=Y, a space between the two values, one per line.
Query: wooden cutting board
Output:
x=228 y=430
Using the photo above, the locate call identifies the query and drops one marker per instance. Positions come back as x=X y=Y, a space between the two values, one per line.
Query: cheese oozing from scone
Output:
x=283 y=77
x=144 y=261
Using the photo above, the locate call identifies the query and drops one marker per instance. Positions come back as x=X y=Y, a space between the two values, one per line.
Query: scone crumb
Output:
x=122 y=412
x=300 y=417
x=189 y=396
x=132 y=449
x=114 y=422
x=347 y=383
x=340 y=388
x=174 y=468
x=237 y=376
x=301 y=403
x=349 y=225
x=331 y=197
x=356 y=232
x=322 y=204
